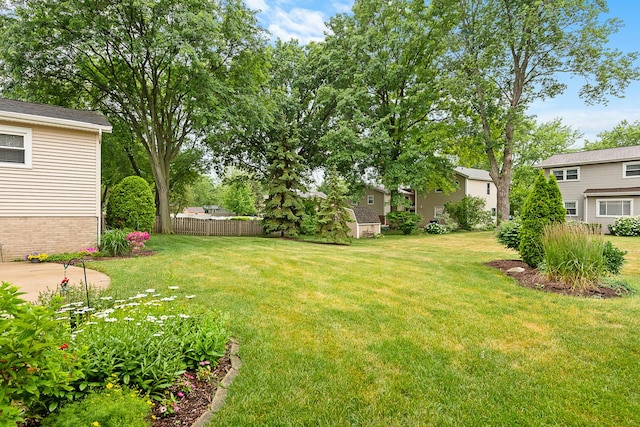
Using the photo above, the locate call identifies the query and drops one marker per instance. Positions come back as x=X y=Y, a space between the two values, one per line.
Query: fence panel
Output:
x=213 y=227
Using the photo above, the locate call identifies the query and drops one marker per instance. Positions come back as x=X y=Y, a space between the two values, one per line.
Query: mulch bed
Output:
x=532 y=278
x=195 y=403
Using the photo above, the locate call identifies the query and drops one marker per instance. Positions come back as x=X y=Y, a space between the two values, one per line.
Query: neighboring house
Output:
x=469 y=182
x=598 y=186
x=49 y=178
x=364 y=222
x=378 y=199
x=193 y=211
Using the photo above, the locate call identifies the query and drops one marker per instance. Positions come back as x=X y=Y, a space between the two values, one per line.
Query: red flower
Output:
x=64 y=346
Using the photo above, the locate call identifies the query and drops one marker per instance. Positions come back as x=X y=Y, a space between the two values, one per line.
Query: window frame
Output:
x=564 y=174
x=27 y=139
x=371 y=199
x=488 y=188
x=624 y=170
x=598 y=201
x=575 y=202
x=435 y=211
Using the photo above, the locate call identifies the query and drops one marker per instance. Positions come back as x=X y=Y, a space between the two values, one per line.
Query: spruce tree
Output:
x=535 y=215
x=284 y=210
x=333 y=216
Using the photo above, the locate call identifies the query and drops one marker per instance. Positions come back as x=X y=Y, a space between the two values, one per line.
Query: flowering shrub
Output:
x=626 y=226
x=435 y=228
x=136 y=239
x=36 y=256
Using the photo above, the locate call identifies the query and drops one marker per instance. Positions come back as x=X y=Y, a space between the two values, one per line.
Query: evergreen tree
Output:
x=333 y=216
x=557 y=211
x=284 y=210
x=535 y=215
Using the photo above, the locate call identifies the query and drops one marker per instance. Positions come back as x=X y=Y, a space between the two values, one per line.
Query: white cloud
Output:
x=342 y=7
x=301 y=24
x=257 y=5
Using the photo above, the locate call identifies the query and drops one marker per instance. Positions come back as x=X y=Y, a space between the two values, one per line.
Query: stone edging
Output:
x=221 y=391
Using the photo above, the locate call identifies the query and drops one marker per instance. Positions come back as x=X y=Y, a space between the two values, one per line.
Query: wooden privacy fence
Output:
x=213 y=227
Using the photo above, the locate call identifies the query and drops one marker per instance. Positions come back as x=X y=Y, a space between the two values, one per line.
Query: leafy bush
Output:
x=625 y=226
x=113 y=407
x=406 y=221
x=435 y=228
x=309 y=224
x=508 y=233
x=37 y=365
x=114 y=242
x=613 y=258
x=539 y=210
x=469 y=212
x=131 y=205
x=449 y=223
x=574 y=255
x=147 y=345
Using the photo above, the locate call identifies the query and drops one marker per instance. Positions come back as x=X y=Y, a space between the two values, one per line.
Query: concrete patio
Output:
x=33 y=278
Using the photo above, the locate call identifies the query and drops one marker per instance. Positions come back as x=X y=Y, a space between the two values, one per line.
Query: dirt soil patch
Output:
x=196 y=402
x=532 y=278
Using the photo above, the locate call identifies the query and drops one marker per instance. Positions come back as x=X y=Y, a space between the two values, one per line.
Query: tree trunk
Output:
x=503 y=208
x=161 y=179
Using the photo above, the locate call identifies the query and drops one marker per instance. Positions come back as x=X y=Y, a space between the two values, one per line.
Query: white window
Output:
x=438 y=211
x=631 y=170
x=572 y=208
x=370 y=199
x=15 y=147
x=488 y=188
x=614 y=208
x=569 y=174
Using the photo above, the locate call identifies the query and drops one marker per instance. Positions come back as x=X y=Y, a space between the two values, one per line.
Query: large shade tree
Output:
x=387 y=92
x=171 y=69
x=624 y=134
x=504 y=54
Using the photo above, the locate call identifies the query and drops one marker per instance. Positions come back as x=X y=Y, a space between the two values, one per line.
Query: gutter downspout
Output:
x=586 y=208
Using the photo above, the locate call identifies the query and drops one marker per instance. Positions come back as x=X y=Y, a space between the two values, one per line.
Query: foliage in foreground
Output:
x=113 y=406
x=576 y=255
x=58 y=353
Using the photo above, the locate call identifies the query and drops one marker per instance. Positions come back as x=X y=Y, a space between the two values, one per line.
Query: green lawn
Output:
x=402 y=331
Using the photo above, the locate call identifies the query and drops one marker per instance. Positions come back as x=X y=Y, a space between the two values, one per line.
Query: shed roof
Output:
x=478 y=174
x=365 y=215
x=606 y=155
x=11 y=109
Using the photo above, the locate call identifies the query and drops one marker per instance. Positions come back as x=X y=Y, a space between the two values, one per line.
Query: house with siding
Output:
x=598 y=186
x=49 y=178
x=469 y=182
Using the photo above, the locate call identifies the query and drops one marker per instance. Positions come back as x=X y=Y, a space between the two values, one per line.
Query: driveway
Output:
x=33 y=278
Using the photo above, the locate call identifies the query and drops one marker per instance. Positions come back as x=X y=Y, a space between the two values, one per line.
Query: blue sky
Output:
x=304 y=20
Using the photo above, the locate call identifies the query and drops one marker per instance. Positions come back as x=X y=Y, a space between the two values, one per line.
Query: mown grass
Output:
x=402 y=331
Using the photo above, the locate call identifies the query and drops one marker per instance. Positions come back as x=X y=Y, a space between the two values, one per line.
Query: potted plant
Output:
x=36 y=257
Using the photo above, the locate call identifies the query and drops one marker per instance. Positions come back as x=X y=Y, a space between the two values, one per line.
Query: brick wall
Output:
x=22 y=235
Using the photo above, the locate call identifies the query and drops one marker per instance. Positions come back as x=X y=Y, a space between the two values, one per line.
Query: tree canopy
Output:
x=624 y=134
x=504 y=54
x=170 y=69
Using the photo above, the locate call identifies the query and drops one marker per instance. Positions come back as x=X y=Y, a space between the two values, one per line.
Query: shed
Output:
x=49 y=178
x=364 y=222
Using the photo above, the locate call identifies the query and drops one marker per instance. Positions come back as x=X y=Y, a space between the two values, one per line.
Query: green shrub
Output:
x=309 y=224
x=109 y=407
x=145 y=343
x=508 y=233
x=573 y=255
x=469 y=212
x=625 y=226
x=435 y=228
x=131 y=205
x=114 y=242
x=447 y=222
x=406 y=221
x=38 y=365
x=539 y=210
x=613 y=258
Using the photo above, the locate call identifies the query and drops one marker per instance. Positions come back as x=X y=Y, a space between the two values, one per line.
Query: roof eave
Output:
x=53 y=121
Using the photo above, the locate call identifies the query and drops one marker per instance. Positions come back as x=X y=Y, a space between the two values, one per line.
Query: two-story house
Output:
x=598 y=186
x=430 y=205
